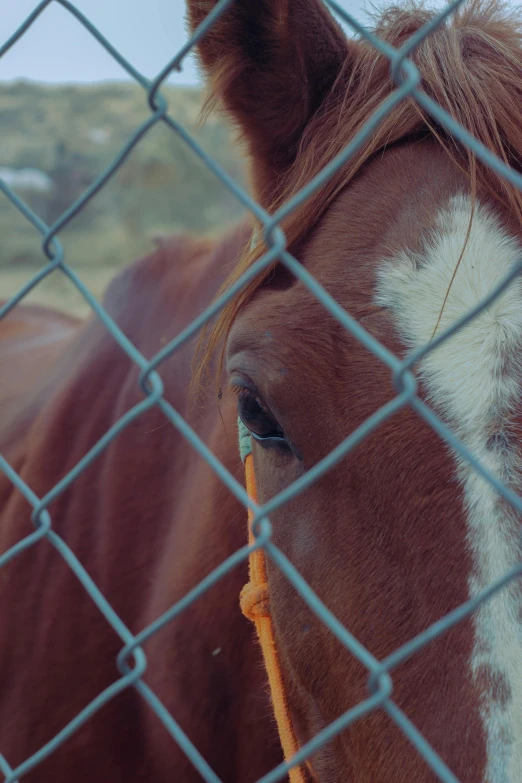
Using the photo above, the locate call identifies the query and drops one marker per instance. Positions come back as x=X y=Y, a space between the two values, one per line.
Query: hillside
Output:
x=55 y=141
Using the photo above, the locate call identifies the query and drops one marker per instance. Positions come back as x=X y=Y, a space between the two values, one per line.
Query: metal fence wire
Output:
x=131 y=660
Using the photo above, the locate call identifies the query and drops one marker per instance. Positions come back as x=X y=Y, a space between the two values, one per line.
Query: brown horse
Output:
x=407 y=236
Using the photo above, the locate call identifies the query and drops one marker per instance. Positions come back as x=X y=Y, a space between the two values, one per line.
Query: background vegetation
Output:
x=69 y=134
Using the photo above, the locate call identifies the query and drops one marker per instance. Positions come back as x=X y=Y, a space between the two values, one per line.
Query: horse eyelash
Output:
x=237 y=388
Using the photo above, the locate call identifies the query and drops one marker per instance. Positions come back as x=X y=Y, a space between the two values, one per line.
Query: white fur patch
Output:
x=473 y=381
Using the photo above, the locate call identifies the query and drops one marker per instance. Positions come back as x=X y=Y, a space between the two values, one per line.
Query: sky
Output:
x=57 y=48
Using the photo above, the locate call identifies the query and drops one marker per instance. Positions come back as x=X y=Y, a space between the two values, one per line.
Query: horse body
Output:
x=142 y=563
x=392 y=538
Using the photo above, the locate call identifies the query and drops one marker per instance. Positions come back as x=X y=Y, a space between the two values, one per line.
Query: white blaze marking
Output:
x=473 y=381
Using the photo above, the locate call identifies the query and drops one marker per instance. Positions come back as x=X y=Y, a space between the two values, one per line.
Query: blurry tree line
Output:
x=69 y=134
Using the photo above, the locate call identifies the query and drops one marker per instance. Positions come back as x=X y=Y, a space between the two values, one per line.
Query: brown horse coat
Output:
x=147 y=520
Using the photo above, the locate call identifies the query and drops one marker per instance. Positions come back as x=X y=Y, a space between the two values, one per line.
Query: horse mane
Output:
x=471 y=65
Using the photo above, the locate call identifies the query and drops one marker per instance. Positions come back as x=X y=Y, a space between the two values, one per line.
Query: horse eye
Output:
x=257 y=418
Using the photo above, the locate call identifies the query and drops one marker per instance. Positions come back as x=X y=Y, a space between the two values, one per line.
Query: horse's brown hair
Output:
x=471 y=65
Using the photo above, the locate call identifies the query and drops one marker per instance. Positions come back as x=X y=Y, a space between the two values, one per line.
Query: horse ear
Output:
x=271 y=63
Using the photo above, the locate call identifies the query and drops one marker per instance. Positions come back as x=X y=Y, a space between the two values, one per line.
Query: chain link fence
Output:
x=131 y=660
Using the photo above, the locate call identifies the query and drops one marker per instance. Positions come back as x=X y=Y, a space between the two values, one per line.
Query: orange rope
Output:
x=255 y=605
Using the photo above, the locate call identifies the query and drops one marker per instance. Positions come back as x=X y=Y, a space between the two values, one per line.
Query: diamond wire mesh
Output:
x=380 y=684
